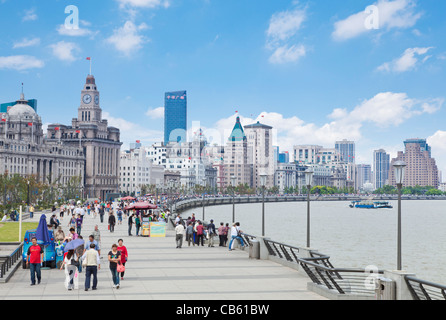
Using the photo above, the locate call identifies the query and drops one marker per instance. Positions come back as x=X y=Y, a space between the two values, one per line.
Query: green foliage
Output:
x=417 y=190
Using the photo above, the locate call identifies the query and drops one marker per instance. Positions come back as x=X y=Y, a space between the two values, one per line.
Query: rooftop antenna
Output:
x=22 y=96
x=89 y=59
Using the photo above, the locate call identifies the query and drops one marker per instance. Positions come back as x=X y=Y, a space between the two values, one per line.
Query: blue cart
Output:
x=49 y=255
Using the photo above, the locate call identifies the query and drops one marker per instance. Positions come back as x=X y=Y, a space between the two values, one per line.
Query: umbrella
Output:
x=141 y=206
x=42 y=233
x=74 y=244
x=128 y=198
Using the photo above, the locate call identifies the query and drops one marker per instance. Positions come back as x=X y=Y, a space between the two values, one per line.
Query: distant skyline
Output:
x=316 y=71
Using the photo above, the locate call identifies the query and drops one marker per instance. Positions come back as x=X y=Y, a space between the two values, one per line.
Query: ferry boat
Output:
x=371 y=205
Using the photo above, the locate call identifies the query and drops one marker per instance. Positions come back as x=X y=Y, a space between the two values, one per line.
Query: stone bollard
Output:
x=402 y=291
x=264 y=253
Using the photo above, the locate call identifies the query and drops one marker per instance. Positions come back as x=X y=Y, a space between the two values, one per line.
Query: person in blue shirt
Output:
x=91 y=240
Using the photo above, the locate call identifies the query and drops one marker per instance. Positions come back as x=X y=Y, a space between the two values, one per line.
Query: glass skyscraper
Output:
x=175 y=117
x=347 y=150
x=381 y=167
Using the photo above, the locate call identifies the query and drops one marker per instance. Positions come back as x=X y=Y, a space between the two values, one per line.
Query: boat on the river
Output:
x=371 y=205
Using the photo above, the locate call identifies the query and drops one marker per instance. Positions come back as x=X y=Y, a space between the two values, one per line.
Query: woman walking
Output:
x=124 y=255
x=200 y=233
x=114 y=257
x=70 y=262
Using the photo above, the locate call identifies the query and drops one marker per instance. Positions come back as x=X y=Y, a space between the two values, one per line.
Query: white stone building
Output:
x=25 y=151
x=137 y=170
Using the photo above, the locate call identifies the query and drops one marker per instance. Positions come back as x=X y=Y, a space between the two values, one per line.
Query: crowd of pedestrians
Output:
x=87 y=257
x=195 y=233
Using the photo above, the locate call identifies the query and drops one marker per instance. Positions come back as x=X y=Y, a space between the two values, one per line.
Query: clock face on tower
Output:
x=86 y=99
x=96 y=100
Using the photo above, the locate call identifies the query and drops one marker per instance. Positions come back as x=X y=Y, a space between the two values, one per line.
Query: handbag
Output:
x=121 y=267
x=75 y=262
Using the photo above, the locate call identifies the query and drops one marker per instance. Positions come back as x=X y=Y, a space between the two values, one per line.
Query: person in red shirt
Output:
x=200 y=233
x=34 y=258
x=124 y=255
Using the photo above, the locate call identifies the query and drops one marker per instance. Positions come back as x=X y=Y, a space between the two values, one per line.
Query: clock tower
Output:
x=90 y=110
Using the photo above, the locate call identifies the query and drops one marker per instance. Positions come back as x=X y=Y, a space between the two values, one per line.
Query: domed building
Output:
x=25 y=151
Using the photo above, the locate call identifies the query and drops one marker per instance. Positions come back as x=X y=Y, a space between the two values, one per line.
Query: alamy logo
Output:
x=373 y=273
x=72 y=21
x=372 y=20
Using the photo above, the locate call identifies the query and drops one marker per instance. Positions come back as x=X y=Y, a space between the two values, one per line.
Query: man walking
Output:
x=111 y=222
x=131 y=224
x=179 y=230
x=92 y=263
x=31 y=211
x=34 y=258
x=101 y=213
x=211 y=233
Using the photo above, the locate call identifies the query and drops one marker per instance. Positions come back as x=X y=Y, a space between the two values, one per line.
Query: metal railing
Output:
x=321 y=272
x=425 y=290
x=282 y=251
x=6 y=262
x=248 y=238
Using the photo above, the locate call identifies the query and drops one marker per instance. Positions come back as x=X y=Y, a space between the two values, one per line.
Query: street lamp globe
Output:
x=309 y=176
x=263 y=180
x=400 y=168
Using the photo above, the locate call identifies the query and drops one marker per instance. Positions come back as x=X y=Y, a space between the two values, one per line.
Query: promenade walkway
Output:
x=157 y=270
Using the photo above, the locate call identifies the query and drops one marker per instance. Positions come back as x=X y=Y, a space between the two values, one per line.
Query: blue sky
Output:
x=311 y=68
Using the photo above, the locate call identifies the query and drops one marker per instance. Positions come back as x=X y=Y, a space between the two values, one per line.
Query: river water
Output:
x=353 y=238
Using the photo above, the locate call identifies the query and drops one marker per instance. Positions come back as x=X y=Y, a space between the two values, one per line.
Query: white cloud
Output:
x=392 y=14
x=438 y=143
x=144 y=3
x=285 y=54
x=283 y=27
x=128 y=39
x=383 y=110
x=132 y=131
x=80 y=32
x=65 y=51
x=30 y=15
x=157 y=113
x=26 y=43
x=407 y=61
x=20 y=63
x=391 y=109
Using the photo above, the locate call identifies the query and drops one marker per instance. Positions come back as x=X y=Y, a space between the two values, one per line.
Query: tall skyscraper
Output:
x=260 y=153
x=381 y=164
x=421 y=169
x=364 y=175
x=175 y=117
x=236 y=157
x=347 y=150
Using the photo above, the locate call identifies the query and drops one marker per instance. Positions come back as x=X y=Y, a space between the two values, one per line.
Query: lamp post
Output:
x=400 y=168
x=27 y=199
x=233 y=182
x=263 y=184
x=204 y=187
x=309 y=181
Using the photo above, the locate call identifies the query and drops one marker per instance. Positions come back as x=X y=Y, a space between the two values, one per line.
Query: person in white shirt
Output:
x=179 y=230
x=236 y=234
x=92 y=262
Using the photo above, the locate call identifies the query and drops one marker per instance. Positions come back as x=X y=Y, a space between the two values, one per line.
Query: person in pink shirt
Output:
x=124 y=255
x=200 y=233
x=73 y=234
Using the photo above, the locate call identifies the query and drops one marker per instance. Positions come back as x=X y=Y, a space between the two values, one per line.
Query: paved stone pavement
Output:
x=157 y=270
